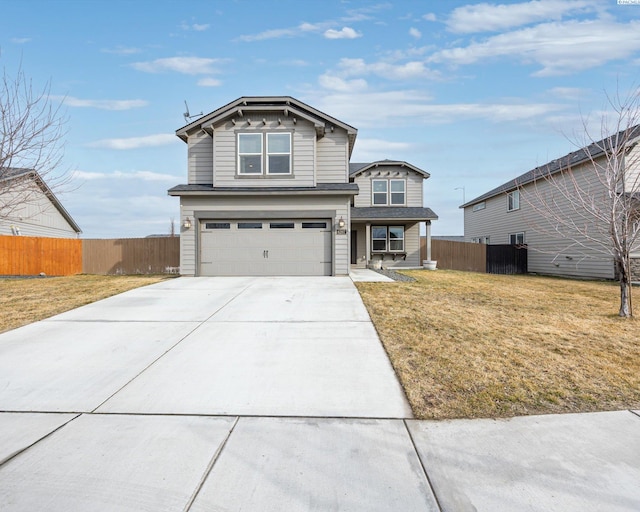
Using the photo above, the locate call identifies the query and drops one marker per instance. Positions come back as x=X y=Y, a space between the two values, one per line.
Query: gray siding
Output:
x=303 y=149
x=413 y=191
x=38 y=217
x=294 y=204
x=332 y=159
x=200 y=159
x=548 y=254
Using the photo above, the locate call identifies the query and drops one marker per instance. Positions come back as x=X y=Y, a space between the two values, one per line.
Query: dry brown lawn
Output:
x=23 y=301
x=468 y=345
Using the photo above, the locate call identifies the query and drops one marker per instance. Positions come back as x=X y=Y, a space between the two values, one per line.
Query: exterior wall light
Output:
x=187 y=223
x=341 y=223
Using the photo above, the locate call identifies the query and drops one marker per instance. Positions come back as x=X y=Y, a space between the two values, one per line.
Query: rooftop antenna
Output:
x=188 y=116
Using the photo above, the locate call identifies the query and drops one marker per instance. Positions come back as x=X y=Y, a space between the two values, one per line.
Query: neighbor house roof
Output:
x=285 y=104
x=381 y=213
x=578 y=157
x=14 y=173
x=357 y=168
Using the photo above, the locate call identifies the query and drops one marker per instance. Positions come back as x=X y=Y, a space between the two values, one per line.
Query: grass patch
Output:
x=468 y=345
x=23 y=301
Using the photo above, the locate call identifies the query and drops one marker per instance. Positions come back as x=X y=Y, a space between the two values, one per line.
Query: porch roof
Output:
x=386 y=213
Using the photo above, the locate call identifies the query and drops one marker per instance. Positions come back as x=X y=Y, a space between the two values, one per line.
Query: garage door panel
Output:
x=275 y=249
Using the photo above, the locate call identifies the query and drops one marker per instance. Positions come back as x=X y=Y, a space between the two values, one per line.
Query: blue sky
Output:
x=473 y=93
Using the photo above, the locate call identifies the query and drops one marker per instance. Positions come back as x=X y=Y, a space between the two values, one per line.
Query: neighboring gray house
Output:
x=28 y=207
x=506 y=215
x=270 y=192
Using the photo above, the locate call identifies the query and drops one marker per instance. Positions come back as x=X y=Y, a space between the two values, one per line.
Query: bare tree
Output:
x=591 y=198
x=172 y=226
x=31 y=141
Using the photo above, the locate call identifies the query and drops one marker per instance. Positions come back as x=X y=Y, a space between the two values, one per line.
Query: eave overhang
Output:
x=326 y=189
x=392 y=214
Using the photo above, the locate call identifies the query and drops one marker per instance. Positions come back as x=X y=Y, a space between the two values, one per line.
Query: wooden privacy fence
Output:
x=30 y=256
x=156 y=255
x=470 y=257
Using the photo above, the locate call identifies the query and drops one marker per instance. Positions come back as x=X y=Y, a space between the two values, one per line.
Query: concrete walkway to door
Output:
x=268 y=394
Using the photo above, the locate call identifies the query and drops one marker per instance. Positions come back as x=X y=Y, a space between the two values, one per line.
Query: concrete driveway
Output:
x=267 y=394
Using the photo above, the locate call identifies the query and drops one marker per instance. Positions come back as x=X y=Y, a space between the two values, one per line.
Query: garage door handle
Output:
x=265 y=254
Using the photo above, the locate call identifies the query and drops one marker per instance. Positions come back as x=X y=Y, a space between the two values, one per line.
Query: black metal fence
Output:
x=506 y=259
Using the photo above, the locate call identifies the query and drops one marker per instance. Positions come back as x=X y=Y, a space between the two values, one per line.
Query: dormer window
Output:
x=264 y=153
x=389 y=192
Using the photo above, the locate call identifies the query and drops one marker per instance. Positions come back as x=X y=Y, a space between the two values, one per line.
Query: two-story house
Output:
x=270 y=192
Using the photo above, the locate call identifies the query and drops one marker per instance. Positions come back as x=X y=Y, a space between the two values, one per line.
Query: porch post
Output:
x=428 y=223
x=367 y=242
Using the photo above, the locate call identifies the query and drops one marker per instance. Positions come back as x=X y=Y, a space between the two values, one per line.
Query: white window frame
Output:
x=264 y=154
x=479 y=206
x=513 y=201
x=388 y=239
x=240 y=155
x=268 y=154
x=374 y=193
x=513 y=238
x=404 y=192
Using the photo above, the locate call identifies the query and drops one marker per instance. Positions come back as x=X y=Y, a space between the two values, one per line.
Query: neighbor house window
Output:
x=387 y=238
x=264 y=153
x=479 y=206
x=398 y=191
x=380 y=189
x=513 y=200
x=250 y=153
x=278 y=153
x=516 y=238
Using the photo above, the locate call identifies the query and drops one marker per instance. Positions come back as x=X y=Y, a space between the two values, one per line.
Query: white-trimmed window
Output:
x=249 y=153
x=398 y=191
x=481 y=240
x=264 y=153
x=479 y=206
x=387 y=238
x=278 y=153
x=513 y=200
x=516 y=238
x=380 y=189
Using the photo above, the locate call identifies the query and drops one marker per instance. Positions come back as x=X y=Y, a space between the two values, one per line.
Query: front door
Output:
x=354 y=247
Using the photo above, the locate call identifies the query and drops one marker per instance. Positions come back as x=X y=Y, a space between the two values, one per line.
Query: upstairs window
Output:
x=250 y=153
x=513 y=199
x=264 y=153
x=398 y=192
x=389 y=192
x=479 y=206
x=380 y=189
x=278 y=153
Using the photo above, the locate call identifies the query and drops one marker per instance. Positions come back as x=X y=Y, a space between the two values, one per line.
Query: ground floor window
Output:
x=481 y=240
x=387 y=238
x=516 y=238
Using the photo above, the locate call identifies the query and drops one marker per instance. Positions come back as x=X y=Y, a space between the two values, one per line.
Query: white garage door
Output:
x=278 y=247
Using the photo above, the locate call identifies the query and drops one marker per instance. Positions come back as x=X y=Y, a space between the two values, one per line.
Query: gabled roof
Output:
x=357 y=168
x=13 y=173
x=581 y=156
x=286 y=104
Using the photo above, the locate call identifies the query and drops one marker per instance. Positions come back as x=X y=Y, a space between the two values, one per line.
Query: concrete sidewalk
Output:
x=268 y=394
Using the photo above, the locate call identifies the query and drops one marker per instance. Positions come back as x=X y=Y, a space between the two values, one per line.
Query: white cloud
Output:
x=200 y=27
x=185 y=65
x=345 y=33
x=560 y=48
x=70 y=101
x=414 y=32
x=486 y=17
x=430 y=17
x=209 y=82
x=408 y=70
x=335 y=83
x=367 y=150
x=279 y=33
x=569 y=93
x=160 y=139
x=88 y=176
x=139 y=175
x=411 y=107
x=20 y=40
x=121 y=50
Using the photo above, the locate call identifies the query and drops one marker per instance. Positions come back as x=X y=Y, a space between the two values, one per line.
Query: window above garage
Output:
x=264 y=153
